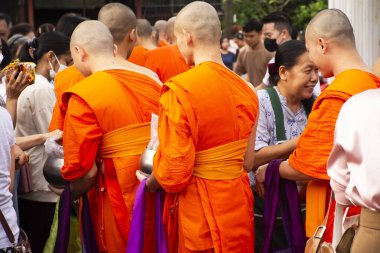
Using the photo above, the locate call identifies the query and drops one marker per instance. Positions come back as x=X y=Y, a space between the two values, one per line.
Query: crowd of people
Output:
x=256 y=151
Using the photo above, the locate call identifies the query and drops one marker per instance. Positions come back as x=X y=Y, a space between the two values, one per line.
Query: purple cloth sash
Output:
x=283 y=192
x=136 y=234
x=63 y=234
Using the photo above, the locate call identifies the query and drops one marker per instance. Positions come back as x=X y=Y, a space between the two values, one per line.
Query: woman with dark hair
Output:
x=23 y=29
x=227 y=57
x=50 y=52
x=284 y=110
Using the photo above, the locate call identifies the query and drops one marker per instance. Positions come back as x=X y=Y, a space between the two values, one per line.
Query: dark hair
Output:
x=5 y=17
x=68 y=22
x=223 y=37
x=235 y=29
x=46 y=27
x=281 y=21
x=7 y=55
x=287 y=55
x=253 y=25
x=15 y=42
x=49 y=41
x=22 y=28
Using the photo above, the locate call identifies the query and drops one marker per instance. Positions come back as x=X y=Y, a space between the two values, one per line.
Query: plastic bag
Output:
x=53 y=149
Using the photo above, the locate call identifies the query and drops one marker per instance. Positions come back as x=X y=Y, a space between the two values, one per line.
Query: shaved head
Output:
x=340 y=33
x=94 y=37
x=160 y=26
x=201 y=20
x=119 y=18
x=143 y=28
x=170 y=30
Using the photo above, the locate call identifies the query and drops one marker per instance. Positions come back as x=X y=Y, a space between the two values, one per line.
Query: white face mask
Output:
x=52 y=72
x=1 y=57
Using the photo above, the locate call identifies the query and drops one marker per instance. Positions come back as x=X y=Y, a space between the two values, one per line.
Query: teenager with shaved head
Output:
x=333 y=50
x=106 y=130
x=144 y=42
x=206 y=116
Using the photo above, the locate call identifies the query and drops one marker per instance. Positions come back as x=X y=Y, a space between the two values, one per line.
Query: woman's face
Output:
x=225 y=44
x=301 y=78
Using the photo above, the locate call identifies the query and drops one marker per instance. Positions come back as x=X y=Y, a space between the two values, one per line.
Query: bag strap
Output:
x=278 y=113
x=338 y=222
x=7 y=229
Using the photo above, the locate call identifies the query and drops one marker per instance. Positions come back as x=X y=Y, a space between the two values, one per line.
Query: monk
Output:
x=144 y=42
x=200 y=158
x=166 y=61
x=107 y=126
x=333 y=50
x=160 y=27
x=122 y=22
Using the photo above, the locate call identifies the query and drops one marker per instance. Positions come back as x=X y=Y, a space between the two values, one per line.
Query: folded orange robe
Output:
x=162 y=43
x=137 y=56
x=99 y=105
x=62 y=81
x=166 y=62
x=202 y=135
x=315 y=143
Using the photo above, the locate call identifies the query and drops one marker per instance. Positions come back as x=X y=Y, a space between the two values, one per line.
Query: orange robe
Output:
x=316 y=142
x=214 y=215
x=166 y=62
x=162 y=43
x=137 y=56
x=63 y=80
x=102 y=103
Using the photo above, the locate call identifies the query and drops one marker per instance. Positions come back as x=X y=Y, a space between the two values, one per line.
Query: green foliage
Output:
x=300 y=11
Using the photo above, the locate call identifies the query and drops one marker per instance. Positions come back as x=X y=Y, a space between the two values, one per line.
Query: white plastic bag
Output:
x=53 y=149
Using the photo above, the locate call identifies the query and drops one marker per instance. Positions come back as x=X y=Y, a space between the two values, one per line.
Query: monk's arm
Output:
x=249 y=158
x=81 y=137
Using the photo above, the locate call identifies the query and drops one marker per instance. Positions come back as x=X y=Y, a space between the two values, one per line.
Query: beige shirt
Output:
x=253 y=62
x=34 y=111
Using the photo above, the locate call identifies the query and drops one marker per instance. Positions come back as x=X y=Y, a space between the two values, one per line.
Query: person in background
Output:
x=46 y=27
x=15 y=43
x=160 y=27
x=253 y=58
x=227 y=57
x=23 y=29
x=50 y=52
x=67 y=23
x=234 y=46
x=5 y=26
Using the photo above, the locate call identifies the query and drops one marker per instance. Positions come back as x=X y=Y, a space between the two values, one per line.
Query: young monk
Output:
x=107 y=123
x=160 y=27
x=144 y=42
x=334 y=52
x=121 y=21
x=206 y=116
x=166 y=61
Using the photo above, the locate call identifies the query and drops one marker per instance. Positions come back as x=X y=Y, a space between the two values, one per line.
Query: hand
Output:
x=260 y=179
x=57 y=134
x=21 y=157
x=16 y=85
x=141 y=175
x=56 y=190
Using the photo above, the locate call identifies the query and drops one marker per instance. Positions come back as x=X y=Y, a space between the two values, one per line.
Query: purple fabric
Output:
x=136 y=235
x=89 y=244
x=283 y=192
x=63 y=233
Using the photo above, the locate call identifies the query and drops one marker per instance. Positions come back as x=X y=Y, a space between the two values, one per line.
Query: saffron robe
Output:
x=137 y=56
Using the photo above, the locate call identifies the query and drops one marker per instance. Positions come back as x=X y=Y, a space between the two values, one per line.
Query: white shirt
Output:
x=3 y=89
x=34 y=111
x=317 y=88
x=354 y=163
x=6 y=205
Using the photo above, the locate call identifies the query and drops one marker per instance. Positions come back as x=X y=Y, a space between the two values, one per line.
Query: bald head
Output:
x=160 y=26
x=201 y=20
x=170 y=30
x=144 y=29
x=94 y=37
x=333 y=25
x=119 y=18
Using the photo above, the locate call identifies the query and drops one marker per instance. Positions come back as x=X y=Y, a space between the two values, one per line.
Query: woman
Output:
x=227 y=57
x=7 y=167
x=293 y=77
x=50 y=52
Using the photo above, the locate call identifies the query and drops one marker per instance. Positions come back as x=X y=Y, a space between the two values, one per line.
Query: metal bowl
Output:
x=146 y=161
x=52 y=172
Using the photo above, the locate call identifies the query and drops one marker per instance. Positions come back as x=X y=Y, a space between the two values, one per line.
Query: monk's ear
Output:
x=322 y=45
x=81 y=53
x=282 y=73
x=132 y=35
x=189 y=39
x=114 y=49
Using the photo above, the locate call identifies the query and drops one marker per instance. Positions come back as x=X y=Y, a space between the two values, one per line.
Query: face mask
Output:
x=1 y=58
x=52 y=72
x=270 y=44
